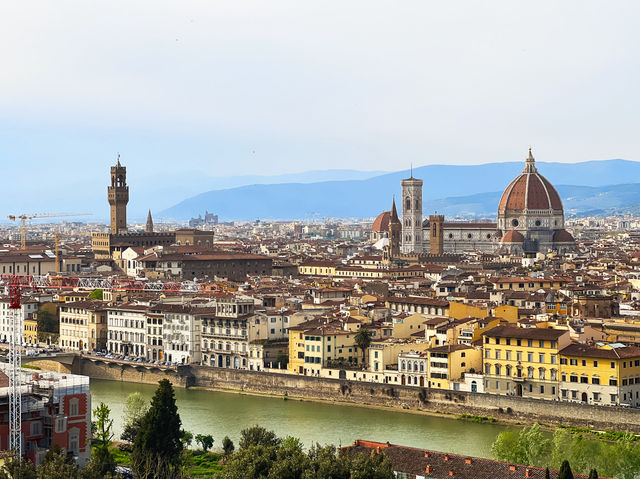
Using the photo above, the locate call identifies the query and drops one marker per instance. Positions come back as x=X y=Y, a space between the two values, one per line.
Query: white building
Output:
x=126 y=330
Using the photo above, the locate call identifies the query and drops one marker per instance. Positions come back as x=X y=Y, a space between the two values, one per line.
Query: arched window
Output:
x=507 y=370
x=487 y=368
x=404 y=365
x=497 y=368
x=408 y=203
x=541 y=372
x=530 y=372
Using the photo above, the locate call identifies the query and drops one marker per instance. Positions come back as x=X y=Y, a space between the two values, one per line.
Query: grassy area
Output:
x=471 y=417
x=606 y=435
x=198 y=464
x=31 y=366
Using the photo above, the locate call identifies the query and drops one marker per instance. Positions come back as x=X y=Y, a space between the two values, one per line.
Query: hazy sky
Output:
x=266 y=87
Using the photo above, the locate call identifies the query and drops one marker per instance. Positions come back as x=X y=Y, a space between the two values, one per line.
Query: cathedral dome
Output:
x=512 y=236
x=381 y=223
x=529 y=191
x=563 y=236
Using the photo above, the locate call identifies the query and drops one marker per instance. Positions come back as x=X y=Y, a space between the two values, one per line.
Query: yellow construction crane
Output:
x=23 y=217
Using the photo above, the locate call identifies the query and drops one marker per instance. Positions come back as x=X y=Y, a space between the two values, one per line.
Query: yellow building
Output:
x=318 y=344
x=608 y=375
x=317 y=268
x=523 y=361
x=405 y=327
x=461 y=310
x=83 y=326
x=30 y=331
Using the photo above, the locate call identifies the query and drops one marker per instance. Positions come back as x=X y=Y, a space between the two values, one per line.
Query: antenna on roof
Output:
x=411 y=169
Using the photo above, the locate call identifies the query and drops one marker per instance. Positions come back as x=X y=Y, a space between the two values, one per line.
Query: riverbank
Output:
x=505 y=409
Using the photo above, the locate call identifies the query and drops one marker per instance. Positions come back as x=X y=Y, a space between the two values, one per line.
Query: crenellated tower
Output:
x=118 y=194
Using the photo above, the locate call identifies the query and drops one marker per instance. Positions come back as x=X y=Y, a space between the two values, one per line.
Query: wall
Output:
x=504 y=408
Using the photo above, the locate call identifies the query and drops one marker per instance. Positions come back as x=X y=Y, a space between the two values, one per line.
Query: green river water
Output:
x=221 y=413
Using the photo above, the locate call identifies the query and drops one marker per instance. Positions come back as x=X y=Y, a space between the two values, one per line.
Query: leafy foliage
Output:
x=262 y=455
x=363 y=340
x=227 y=446
x=620 y=458
x=205 y=441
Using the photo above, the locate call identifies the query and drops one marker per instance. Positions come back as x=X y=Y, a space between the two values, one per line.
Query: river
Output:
x=221 y=413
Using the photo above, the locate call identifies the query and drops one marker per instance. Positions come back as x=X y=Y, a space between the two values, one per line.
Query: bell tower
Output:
x=436 y=233
x=412 y=236
x=118 y=194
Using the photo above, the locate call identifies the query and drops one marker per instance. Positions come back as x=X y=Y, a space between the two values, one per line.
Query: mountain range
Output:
x=586 y=188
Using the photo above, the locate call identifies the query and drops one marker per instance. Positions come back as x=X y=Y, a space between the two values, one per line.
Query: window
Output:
x=73 y=406
x=595 y=380
x=541 y=358
x=613 y=382
x=563 y=361
x=573 y=362
x=595 y=364
x=584 y=379
x=530 y=357
x=35 y=428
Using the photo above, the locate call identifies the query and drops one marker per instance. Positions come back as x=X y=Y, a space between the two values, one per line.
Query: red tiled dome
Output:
x=381 y=223
x=562 y=236
x=530 y=190
x=512 y=236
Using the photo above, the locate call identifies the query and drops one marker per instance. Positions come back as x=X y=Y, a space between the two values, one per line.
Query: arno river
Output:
x=220 y=414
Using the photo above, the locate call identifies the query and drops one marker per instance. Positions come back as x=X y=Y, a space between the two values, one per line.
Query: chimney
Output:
x=451 y=473
x=527 y=473
x=429 y=469
x=467 y=460
x=512 y=468
x=426 y=454
x=446 y=457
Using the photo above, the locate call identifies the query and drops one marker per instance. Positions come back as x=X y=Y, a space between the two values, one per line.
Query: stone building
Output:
x=412 y=215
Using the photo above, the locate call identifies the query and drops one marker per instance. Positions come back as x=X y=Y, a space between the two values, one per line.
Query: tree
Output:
x=130 y=430
x=565 y=471
x=187 y=438
x=547 y=475
x=96 y=294
x=227 y=446
x=102 y=461
x=20 y=468
x=157 y=447
x=367 y=466
x=363 y=340
x=57 y=465
x=593 y=474
x=258 y=436
x=135 y=408
x=205 y=441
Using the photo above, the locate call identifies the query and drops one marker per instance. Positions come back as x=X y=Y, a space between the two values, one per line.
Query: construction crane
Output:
x=15 y=371
x=28 y=216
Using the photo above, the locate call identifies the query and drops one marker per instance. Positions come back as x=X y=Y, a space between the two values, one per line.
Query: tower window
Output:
x=408 y=204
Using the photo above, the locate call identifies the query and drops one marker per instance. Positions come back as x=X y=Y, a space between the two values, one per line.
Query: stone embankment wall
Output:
x=410 y=399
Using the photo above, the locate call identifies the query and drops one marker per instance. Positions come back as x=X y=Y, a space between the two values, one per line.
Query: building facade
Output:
x=412 y=215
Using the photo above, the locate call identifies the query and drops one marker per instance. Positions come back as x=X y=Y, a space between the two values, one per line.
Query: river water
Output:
x=221 y=414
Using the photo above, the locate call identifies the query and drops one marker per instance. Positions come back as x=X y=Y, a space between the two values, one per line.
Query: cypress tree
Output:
x=547 y=475
x=565 y=471
x=593 y=474
x=157 y=446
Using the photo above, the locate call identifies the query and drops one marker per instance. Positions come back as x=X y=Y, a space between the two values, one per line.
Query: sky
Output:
x=190 y=90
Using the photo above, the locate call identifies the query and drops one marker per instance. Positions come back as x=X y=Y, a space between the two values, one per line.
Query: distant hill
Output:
x=468 y=191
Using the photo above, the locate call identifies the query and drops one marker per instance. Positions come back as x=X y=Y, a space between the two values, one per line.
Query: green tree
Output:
x=252 y=462
x=547 y=475
x=258 y=436
x=57 y=465
x=187 y=439
x=130 y=430
x=96 y=294
x=565 y=471
x=291 y=461
x=47 y=320
x=205 y=441
x=227 y=446
x=327 y=464
x=363 y=340
x=593 y=474
x=18 y=468
x=508 y=447
x=367 y=466
x=102 y=461
x=157 y=447
x=135 y=407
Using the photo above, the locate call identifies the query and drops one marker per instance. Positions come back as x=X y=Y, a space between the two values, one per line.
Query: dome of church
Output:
x=512 y=236
x=530 y=191
x=563 y=236
x=381 y=223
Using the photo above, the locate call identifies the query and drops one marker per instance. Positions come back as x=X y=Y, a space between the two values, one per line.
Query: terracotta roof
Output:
x=563 y=236
x=441 y=465
x=530 y=190
x=381 y=223
x=512 y=236
x=579 y=349
x=524 y=333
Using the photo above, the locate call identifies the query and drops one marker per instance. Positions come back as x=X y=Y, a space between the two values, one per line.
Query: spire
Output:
x=530 y=164
x=149 y=228
x=394 y=212
x=411 y=170
x=118 y=162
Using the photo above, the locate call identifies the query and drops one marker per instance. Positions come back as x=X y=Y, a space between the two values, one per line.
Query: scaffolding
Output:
x=15 y=373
